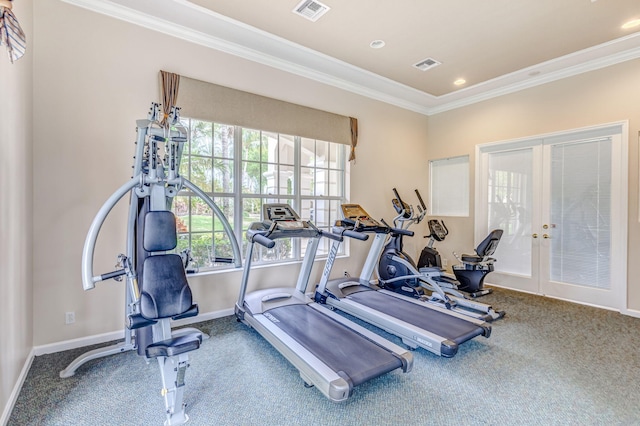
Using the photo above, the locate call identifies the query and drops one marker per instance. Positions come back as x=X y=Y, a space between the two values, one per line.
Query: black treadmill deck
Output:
x=448 y=326
x=343 y=350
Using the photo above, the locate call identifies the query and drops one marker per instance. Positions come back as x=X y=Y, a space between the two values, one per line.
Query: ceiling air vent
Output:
x=311 y=9
x=427 y=64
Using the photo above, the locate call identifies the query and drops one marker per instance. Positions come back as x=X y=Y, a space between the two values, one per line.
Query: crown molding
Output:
x=187 y=21
x=591 y=59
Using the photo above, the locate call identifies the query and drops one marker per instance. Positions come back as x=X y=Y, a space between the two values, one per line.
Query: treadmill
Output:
x=331 y=353
x=419 y=324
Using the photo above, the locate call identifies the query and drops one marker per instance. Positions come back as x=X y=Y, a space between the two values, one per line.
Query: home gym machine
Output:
x=157 y=290
x=398 y=272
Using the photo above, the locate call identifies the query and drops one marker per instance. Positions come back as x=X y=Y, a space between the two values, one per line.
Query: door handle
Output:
x=535 y=235
x=546 y=236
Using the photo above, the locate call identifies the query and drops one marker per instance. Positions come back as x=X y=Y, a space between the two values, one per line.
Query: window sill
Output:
x=260 y=266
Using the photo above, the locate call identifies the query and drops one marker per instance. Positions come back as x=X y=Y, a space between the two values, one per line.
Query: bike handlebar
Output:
x=424 y=206
x=395 y=191
x=402 y=232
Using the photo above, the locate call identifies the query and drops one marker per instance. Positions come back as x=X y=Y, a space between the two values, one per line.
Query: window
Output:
x=449 y=192
x=241 y=169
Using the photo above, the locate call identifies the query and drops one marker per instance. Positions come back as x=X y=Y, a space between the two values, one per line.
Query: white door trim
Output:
x=620 y=176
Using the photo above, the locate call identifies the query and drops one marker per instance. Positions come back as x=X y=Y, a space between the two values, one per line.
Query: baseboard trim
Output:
x=631 y=312
x=86 y=341
x=512 y=289
x=624 y=311
x=117 y=335
x=6 y=413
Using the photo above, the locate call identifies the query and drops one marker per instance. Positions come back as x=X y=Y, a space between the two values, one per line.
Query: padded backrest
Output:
x=159 y=231
x=488 y=246
x=165 y=290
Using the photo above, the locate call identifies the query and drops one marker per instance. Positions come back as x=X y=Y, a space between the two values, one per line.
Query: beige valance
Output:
x=211 y=102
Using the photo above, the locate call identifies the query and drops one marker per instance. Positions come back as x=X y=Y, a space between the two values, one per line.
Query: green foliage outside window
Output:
x=266 y=172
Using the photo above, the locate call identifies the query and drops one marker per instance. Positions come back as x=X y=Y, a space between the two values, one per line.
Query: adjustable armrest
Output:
x=192 y=312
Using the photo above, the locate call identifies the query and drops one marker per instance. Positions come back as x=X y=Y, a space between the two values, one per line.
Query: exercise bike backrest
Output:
x=489 y=245
x=485 y=249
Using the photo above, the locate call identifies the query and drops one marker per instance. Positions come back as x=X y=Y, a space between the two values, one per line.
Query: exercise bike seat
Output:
x=471 y=258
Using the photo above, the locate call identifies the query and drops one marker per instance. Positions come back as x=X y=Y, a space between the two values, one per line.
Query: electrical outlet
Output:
x=69 y=317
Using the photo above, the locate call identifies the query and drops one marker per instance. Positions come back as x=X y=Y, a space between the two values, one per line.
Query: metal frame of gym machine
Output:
x=154 y=183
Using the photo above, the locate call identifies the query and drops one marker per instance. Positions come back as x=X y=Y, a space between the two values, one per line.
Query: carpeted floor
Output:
x=547 y=362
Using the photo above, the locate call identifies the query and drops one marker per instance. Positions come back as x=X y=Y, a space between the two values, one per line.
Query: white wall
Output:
x=94 y=77
x=16 y=313
x=602 y=96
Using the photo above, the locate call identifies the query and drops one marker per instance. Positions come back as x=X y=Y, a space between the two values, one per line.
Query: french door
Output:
x=561 y=201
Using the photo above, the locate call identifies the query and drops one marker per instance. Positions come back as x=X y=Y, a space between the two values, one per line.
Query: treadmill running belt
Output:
x=455 y=329
x=339 y=347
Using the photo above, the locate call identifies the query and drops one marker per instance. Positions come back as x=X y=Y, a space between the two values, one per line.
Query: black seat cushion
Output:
x=471 y=258
x=174 y=346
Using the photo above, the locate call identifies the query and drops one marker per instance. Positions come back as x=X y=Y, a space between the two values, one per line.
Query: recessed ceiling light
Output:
x=377 y=44
x=631 y=24
x=460 y=82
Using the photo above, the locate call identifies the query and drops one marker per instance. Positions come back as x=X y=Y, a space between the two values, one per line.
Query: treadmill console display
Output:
x=284 y=216
x=356 y=216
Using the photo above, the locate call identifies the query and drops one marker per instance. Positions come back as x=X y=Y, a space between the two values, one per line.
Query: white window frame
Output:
x=297 y=200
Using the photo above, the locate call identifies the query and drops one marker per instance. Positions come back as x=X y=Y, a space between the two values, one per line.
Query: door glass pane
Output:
x=581 y=213
x=510 y=205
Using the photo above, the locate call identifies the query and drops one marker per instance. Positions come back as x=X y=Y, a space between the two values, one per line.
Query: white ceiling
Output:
x=497 y=46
